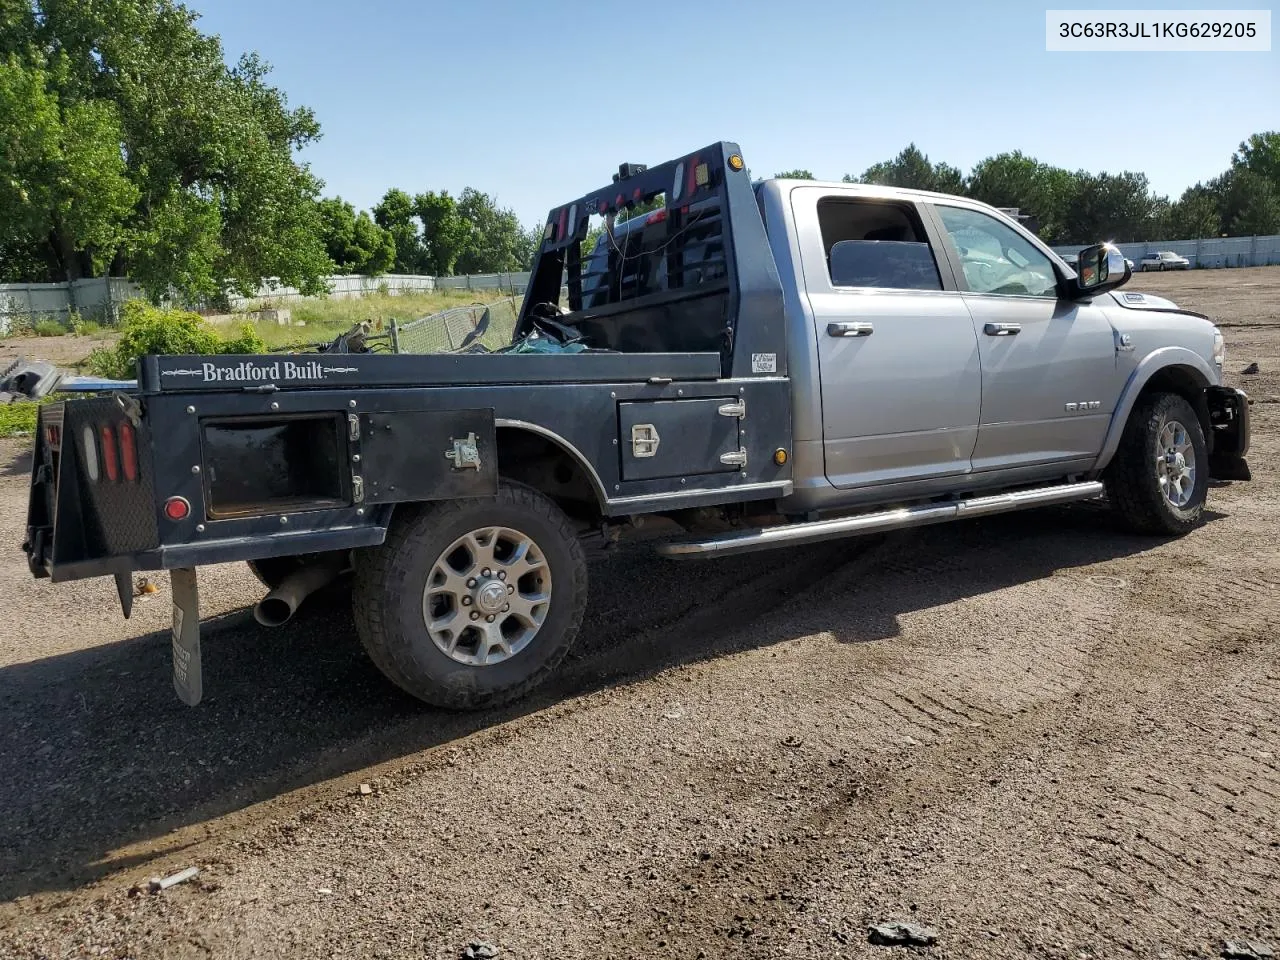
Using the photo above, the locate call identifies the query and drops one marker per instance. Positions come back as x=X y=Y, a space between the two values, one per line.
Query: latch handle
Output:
x=736 y=409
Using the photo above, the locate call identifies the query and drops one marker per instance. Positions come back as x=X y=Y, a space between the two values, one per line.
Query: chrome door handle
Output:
x=1002 y=329
x=850 y=329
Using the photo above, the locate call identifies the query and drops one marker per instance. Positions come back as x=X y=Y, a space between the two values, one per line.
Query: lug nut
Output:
x=471 y=582
x=511 y=588
x=502 y=574
x=485 y=572
x=489 y=619
x=506 y=608
x=475 y=615
x=466 y=601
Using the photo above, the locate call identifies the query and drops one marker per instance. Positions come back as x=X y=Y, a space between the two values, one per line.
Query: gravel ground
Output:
x=1030 y=733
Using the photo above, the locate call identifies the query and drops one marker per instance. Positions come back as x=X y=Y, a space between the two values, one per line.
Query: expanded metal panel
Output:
x=118 y=514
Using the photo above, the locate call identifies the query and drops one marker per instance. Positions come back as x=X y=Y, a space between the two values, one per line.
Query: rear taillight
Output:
x=656 y=217
x=110 y=456
x=111 y=452
x=128 y=452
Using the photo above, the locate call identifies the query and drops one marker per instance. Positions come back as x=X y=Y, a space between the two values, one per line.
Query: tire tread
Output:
x=382 y=573
x=1131 y=487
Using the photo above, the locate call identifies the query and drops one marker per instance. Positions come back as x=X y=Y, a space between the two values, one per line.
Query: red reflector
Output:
x=602 y=207
x=691 y=180
x=636 y=196
x=110 y=459
x=128 y=452
x=619 y=201
x=176 y=508
x=656 y=217
x=54 y=436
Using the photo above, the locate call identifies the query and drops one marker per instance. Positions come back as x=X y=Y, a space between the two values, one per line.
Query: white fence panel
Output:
x=1208 y=253
x=341 y=287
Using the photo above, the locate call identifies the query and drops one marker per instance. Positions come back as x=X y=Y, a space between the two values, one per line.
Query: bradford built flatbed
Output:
x=705 y=371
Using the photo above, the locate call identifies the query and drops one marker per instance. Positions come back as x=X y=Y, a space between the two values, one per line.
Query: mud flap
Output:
x=187 y=677
x=124 y=590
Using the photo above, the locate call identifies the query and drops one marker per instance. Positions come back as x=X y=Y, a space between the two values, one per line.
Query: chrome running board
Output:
x=765 y=538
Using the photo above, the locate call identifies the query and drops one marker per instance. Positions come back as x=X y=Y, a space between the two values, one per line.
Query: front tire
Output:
x=472 y=603
x=1159 y=479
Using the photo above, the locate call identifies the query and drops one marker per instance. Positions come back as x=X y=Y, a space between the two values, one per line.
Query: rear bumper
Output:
x=214 y=551
x=1229 y=433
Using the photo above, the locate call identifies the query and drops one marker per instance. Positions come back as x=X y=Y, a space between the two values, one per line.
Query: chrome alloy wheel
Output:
x=1176 y=464
x=487 y=596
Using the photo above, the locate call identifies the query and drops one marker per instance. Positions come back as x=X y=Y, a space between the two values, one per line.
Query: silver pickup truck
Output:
x=757 y=364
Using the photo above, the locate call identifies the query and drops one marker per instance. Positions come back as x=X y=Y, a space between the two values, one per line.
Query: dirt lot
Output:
x=1033 y=734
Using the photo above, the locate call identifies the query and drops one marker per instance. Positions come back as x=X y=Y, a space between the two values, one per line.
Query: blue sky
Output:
x=537 y=102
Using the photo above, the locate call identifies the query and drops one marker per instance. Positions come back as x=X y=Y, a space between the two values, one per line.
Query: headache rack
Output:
x=689 y=271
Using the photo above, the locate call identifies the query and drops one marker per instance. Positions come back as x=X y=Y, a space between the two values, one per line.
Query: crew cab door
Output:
x=1049 y=375
x=898 y=363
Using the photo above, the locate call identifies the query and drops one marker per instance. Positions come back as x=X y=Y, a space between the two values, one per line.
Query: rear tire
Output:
x=1159 y=479
x=472 y=603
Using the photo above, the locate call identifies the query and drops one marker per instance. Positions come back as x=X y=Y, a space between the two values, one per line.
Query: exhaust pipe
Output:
x=278 y=606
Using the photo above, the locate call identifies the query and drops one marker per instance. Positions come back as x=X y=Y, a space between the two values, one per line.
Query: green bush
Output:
x=145 y=329
x=19 y=419
x=48 y=328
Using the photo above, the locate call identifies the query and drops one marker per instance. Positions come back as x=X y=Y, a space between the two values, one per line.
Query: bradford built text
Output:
x=245 y=371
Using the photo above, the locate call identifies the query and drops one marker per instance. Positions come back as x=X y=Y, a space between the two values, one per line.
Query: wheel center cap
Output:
x=491 y=596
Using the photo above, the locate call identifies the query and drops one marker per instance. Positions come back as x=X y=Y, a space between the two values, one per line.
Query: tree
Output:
x=1017 y=180
x=495 y=241
x=1195 y=214
x=795 y=175
x=353 y=241
x=444 y=231
x=185 y=166
x=912 y=169
x=395 y=213
x=1106 y=206
x=64 y=192
x=1249 y=204
x=1260 y=154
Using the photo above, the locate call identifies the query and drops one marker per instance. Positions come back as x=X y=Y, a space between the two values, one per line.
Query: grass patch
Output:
x=325 y=318
x=19 y=419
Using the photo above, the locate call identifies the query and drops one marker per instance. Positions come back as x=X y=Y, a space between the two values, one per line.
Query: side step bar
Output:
x=765 y=538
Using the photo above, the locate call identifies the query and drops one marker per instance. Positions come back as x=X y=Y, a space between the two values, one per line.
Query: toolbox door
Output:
x=680 y=438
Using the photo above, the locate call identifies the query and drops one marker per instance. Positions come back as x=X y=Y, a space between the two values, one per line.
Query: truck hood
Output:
x=1141 y=301
x=1133 y=300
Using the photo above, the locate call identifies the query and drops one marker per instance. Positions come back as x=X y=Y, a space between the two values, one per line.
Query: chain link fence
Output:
x=445 y=331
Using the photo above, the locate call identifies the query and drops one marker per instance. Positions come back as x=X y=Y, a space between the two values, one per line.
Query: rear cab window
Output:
x=878 y=244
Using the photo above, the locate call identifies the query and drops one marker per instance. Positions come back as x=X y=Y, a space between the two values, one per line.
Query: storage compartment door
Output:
x=678 y=438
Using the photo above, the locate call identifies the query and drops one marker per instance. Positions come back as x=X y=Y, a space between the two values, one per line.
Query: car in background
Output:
x=1164 y=260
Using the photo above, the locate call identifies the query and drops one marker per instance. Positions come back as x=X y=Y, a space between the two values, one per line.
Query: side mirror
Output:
x=1100 y=268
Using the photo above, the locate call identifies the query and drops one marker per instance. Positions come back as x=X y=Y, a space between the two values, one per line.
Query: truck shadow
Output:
x=97 y=755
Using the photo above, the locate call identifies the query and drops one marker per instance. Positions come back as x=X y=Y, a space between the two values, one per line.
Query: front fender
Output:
x=1189 y=364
